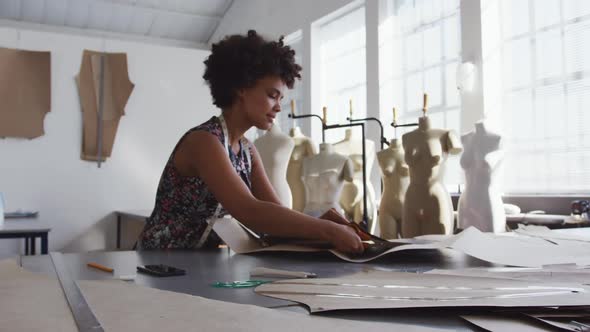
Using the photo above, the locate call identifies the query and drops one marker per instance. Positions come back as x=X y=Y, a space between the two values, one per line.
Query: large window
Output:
x=535 y=86
x=296 y=94
x=343 y=69
x=544 y=86
x=419 y=51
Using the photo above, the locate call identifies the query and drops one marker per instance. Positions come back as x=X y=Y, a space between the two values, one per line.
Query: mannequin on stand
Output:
x=480 y=205
x=304 y=147
x=395 y=175
x=352 y=193
x=275 y=148
x=428 y=208
x=324 y=175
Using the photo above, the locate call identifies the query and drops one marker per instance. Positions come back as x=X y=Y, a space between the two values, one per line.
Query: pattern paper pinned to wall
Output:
x=104 y=87
x=25 y=91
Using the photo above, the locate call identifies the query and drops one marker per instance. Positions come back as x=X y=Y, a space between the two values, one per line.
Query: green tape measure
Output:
x=239 y=284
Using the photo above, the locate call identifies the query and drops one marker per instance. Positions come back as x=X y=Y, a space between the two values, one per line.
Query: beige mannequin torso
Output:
x=275 y=149
x=324 y=175
x=303 y=147
x=351 y=199
x=428 y=208
x=480 y=205
x=395 y=174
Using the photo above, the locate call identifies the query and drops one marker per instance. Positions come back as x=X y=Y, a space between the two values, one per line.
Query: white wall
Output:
x=74 y=196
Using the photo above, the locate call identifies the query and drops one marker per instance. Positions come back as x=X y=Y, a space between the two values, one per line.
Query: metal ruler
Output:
x=99 y=131
x=83 y=315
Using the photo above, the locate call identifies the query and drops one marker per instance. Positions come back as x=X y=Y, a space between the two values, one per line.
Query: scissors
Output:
x=372 y=244
x=239 y=284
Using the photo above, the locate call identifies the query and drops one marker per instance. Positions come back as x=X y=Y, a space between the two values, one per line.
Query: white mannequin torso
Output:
x=275 y=149
x=351 y=199
x=304 y=147
x=480 y=205
x=428 y=208
x=324 y=175
x=395 y=175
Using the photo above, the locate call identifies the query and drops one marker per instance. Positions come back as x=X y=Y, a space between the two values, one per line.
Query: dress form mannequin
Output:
x=396 y=179
x=324 y=175
x=428 y=208
x=304 y=147
x=275 y=148
x=352 y=193
x=481 y=205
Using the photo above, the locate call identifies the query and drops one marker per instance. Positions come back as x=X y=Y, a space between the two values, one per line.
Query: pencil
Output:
x=100 y=267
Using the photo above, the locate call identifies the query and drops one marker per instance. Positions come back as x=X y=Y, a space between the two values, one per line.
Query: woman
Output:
x=215 y=170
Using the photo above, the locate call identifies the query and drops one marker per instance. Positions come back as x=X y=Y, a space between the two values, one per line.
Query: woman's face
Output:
x=262 y=102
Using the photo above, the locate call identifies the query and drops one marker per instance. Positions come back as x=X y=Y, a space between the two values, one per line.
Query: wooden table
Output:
x=140 y=215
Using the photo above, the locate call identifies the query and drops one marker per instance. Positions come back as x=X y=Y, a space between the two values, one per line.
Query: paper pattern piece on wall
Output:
x=104 y=87
x=412 y=290
x=25 y=92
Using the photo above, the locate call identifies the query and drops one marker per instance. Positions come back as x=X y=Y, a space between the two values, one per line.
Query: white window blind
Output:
x=342 y=70
x=419 y=51
x=544 y=48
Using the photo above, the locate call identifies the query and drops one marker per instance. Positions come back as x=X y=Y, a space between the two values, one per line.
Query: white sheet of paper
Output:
x=564 y=325
x=122 y=307
x=546 y=233
x=507 y=249
x=517 y=250
x=505 y=324
x=9 y=269
x=31 y=302
x=414 y=290
x=241 y=242
x=548 y=274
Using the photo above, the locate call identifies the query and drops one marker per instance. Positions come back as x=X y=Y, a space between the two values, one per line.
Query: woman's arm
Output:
x=202 y=155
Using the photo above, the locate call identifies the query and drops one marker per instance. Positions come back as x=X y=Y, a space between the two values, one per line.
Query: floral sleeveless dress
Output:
x=183 y=204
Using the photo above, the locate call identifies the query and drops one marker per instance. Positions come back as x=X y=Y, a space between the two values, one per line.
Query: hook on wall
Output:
x=17 y=41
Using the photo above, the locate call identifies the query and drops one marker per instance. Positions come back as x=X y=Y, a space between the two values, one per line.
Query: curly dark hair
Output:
x=238 y=62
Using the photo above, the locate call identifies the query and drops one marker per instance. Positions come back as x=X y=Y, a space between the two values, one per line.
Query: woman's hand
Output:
x=345 y=238
x=334 y=216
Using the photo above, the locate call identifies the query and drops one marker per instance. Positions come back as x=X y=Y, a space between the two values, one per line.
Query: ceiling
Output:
x=192 y=21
